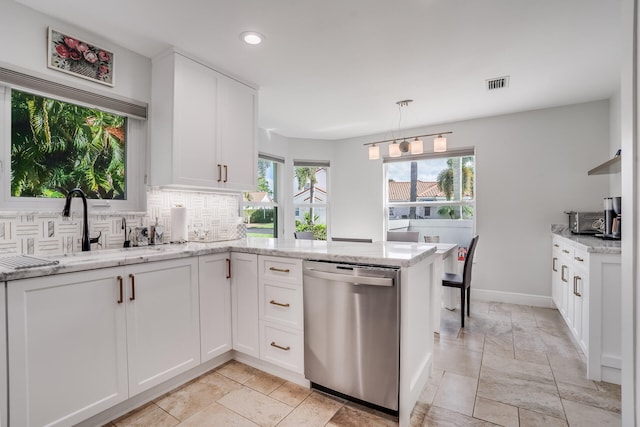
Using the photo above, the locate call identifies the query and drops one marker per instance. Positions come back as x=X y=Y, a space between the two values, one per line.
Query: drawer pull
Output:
x=219 y=172
x=279 y=304
x=556 y=245
x=273 y=344
x=565 y=251
x=228 y=268
x=280 y=270
x=564 y=279
x=554 y=267
x=577 y=258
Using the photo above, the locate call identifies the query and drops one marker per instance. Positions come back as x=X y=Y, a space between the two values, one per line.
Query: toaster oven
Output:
x=585 y=222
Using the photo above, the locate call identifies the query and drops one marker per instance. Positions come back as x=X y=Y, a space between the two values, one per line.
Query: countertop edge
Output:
x=590 y=244
x=87 y=261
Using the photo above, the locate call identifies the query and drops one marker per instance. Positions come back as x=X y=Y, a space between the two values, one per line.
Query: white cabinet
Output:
x=163 y=334
x=237 y=140
x=80 y=343
x=244 y=303
x=67 y=347
x=281 y=312
x=587 y=292
x=203 y=127
x=214 y=273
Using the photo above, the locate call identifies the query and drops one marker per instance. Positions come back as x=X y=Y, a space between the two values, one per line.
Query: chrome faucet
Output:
x=86 y=240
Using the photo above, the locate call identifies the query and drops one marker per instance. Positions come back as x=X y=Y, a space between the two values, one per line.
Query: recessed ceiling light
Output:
x=251 y=37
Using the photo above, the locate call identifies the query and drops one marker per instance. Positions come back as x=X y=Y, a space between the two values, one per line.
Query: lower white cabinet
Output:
x=163 y=334
x=281 y=315
x=244 y=306
x=586 y=289
x=214 y=272
x=80 y=343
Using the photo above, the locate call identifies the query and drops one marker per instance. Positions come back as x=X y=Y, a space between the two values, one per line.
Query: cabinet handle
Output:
x=553 y=264
x=273 y=344
x=577 y=258
x=564 y=279
x=226 y=173
x=219 y=172
x=120 y=300
x=281 y=270
x=228 y=268
x=565 y=251
x=279 y=303
x=575 y=286
x=133 y=287
x=556 y=245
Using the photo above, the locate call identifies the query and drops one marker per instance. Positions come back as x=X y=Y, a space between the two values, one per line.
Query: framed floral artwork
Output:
x=79 y=58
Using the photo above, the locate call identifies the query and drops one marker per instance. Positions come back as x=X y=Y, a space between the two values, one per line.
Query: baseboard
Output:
x=511 y=297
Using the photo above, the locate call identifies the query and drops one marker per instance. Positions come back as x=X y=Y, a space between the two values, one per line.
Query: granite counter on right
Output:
x=586 y=289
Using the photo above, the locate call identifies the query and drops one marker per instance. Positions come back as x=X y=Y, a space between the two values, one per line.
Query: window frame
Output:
x=301 y=206
x=277 y=204
x=135 y=154
x=388 y=206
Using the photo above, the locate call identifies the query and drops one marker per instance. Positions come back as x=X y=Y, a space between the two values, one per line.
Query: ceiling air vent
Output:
x=498 y=83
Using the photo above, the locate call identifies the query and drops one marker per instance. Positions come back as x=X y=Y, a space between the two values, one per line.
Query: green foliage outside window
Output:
x=56 y=146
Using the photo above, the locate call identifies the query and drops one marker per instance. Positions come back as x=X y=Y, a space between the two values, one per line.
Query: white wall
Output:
x=24 y=46
x=530 y=167
x=615 y=141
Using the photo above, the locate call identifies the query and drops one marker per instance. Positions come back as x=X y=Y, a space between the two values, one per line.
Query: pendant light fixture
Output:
x=440 y=144
x=374 y=152
x=413 y=145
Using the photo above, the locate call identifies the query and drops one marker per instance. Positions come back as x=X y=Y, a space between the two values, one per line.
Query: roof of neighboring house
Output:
x=306 y=197
x=400 y=191
x=258 y=196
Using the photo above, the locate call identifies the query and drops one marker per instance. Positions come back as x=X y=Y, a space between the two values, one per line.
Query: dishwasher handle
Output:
x=350 y=278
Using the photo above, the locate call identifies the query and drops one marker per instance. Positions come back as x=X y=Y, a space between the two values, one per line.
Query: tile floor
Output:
x=512 y=365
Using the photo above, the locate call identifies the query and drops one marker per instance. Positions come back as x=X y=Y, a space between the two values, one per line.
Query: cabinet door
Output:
x=162 y=321
x=215 y=305
x=556 y=283
x=195 y=120
x=238 y=146
x=67 y=347
x=244 y=308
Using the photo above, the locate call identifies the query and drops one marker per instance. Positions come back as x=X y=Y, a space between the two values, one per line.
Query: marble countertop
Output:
x=399 y=254
x=589 y=243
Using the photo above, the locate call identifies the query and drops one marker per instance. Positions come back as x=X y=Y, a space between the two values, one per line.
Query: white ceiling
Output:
x=332 y=69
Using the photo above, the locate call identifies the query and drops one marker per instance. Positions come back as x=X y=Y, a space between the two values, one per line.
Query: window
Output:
x=57 y=146
x=56 y=137
x=311 y=197
x=260 y=208
x=433 y=194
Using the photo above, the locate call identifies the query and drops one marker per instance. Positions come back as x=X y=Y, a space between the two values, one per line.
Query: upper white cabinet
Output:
x=203 y=127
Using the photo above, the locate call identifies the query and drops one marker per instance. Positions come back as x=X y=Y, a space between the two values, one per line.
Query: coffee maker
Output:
x=612 y=217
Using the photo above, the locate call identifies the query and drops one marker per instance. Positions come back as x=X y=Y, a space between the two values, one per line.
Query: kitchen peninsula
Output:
x=144 y=320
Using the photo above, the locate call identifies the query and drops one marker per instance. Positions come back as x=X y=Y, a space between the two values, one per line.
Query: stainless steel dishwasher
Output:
x=352 y=331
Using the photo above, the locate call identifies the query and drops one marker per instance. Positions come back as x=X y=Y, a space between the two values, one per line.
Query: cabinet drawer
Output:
x=281 y=269
x=282 y=346
x=281 y=303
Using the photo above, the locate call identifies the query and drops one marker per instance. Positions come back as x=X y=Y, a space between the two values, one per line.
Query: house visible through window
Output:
x=57 y=145
x=433 y=194
x=260 y=208
x=310 y=197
